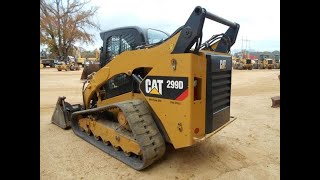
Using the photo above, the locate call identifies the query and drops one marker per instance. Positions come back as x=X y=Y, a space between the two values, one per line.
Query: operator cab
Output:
x=116 y=41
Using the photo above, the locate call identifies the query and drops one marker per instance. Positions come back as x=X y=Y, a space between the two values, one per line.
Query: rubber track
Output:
x=143 y=128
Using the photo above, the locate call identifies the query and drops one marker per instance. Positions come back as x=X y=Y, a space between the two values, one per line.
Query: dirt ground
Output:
x=248 y=148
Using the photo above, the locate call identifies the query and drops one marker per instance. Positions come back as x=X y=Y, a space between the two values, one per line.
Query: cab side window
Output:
x=118 y=44
x=113 y=46
x=117 y=85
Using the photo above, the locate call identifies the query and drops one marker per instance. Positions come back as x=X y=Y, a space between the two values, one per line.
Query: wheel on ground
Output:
x=234 y=66
x=241 y=66
x=260 y=66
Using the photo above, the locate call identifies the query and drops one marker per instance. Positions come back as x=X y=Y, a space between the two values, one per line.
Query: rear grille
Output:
x=217 y=92
x=221 y=82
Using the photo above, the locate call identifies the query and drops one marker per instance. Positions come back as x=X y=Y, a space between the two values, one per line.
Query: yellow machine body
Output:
x=146 y=94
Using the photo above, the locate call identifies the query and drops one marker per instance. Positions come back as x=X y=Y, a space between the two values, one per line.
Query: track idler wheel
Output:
x=123 y=121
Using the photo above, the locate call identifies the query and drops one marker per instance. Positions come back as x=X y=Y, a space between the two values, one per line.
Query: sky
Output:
x=259 y=19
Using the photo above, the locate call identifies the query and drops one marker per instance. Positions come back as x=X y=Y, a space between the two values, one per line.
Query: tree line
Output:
x=65 y=22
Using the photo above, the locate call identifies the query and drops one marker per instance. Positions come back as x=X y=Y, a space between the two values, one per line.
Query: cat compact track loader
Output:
x=266 y=62
x=154 y=89
x=243 y=63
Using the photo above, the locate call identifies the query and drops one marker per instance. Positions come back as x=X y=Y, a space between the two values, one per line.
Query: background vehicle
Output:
x=48 y=62
x=265 y=62
x=67 y=66
x=242 y=63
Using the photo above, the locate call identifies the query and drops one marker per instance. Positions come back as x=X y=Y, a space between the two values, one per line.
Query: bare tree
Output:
x=62 y=23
